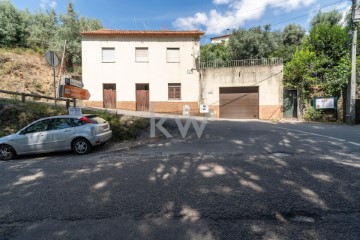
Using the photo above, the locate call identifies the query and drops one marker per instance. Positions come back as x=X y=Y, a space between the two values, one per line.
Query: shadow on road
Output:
x=271 y=185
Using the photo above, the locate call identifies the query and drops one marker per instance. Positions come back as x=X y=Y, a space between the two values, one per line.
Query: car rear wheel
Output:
x=81 y=146
x=6 y=152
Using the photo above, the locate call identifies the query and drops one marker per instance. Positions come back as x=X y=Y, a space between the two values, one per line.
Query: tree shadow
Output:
x=277 y=185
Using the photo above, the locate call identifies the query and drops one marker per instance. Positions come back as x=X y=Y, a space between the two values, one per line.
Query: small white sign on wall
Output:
x=186 y=110
x=204 y=108
x=75 y=111
x=325 y=103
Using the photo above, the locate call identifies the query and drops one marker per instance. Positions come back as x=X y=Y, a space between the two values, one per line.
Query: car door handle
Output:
x=67 y=131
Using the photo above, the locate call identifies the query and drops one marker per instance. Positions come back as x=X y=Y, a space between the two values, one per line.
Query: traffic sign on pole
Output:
x=75 y=92
x=73 y=82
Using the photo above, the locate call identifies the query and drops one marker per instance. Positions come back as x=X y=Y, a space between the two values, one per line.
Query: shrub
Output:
x=311 y=114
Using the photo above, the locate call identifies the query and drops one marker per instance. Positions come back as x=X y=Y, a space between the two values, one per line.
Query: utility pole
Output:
x=352 y=83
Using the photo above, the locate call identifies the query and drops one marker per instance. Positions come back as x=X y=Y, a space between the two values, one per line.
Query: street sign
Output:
x=51 y=58
x=357 y=15
x=75 y=111
x=325 y=103
x=75 y=92
x=73 y=82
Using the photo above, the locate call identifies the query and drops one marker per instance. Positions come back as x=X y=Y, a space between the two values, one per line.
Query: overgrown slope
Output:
x=23 y=70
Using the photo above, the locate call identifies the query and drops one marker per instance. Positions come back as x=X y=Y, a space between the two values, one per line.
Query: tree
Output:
x=87 y=24
x=292 y=38
x=329 y=40
x=293 y=35
x=42 y=28
x=333 y=18
x=254 y=43
x=301 y=71
x=322 y=61
x=70 y=31
x=70 y=28
x=214 y=52
x=12 y=26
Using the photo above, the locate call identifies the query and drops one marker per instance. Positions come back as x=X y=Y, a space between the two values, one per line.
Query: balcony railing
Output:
x=241 y=63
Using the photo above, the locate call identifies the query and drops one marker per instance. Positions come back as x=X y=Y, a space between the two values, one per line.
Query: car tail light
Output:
x=86 y=120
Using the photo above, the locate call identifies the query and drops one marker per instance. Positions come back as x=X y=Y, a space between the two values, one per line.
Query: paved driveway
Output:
x=240 y=180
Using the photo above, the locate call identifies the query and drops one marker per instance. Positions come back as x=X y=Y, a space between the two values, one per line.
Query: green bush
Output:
x=311 y=114
x=123 y=127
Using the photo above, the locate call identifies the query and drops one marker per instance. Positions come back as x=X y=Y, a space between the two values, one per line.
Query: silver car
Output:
x=59 y=133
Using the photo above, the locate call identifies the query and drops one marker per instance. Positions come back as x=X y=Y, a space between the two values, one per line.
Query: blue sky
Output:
x=212 y=16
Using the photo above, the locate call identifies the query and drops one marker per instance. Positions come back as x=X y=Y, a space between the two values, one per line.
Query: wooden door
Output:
x=109 y=96
x=142 y=97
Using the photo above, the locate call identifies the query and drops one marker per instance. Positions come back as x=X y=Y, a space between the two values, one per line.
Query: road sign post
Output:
x=53 y=61
x=69 y=91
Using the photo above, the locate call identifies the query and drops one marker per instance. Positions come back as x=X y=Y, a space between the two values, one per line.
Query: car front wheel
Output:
x=81 y=146
x=6 y=152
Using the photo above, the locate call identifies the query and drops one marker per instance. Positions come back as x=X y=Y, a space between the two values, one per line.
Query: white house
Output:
x=221 y=39
x=142 y=70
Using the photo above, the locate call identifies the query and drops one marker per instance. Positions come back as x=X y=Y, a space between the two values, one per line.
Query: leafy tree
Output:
x=70 y=28
x=70 y=31
x=323 y=61
x=329 y=40
x=87 y=24
x=214 y=52
x=292 y=38
x=42 y=28
x=12 y=26
x=337 y=77
x=301 y=71
x=333 y=18
x=293 y=35
x=254 y=43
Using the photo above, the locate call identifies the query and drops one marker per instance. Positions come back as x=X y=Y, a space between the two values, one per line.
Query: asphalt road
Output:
x=240 y=180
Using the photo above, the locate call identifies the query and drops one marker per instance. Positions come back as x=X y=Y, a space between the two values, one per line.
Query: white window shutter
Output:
x=142 y=54
x=108 y=54
x=173 y=55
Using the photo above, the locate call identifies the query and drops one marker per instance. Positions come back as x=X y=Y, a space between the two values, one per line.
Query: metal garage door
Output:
x=239 y=102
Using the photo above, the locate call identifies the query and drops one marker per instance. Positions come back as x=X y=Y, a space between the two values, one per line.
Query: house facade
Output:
x=160 y=71
x=142 y=70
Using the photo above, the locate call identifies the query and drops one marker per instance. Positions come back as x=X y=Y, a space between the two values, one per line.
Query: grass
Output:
x=15 y=115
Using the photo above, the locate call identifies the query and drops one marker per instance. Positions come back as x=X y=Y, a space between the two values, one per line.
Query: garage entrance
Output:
x=239 y=102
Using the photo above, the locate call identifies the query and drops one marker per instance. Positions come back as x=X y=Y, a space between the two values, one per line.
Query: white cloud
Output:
x=238 y=12
x=219 y=2
x=45 y=4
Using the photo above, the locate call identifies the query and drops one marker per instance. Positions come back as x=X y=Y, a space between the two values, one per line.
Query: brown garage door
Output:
x=239 y=102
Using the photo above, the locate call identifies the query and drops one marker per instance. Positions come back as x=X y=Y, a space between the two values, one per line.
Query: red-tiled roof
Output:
x=109 y=32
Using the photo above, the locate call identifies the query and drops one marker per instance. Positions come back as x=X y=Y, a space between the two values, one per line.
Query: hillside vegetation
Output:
x=23 y=70
x=42 y=31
